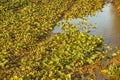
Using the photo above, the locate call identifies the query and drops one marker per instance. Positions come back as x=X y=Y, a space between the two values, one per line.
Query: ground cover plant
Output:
x=27 y=50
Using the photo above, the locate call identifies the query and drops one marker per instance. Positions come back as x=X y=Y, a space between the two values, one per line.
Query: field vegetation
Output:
x=30 y=51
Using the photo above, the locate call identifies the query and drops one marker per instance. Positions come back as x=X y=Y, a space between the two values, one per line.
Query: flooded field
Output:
x=108 y=25
x=107 y=21
x=56 y=40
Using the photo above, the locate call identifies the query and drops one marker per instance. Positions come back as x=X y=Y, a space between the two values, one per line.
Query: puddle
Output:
x=108 y=25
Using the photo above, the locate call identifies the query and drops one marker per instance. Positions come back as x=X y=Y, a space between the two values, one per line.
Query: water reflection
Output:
x=108 y=23
x=116 y=28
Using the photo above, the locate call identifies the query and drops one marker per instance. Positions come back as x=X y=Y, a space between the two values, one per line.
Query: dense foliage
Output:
x=27 y=51
x=68 y=51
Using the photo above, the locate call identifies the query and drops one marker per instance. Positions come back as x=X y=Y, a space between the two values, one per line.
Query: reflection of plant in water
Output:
x=117 y=4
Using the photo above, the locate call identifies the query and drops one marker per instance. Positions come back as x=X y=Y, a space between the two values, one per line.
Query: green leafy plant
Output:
x=114 y=70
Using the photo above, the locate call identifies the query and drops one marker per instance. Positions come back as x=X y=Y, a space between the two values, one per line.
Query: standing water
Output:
x=108 y=25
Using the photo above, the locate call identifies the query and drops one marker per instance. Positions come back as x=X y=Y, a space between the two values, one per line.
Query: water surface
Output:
x=108 y=22
x=108 y=25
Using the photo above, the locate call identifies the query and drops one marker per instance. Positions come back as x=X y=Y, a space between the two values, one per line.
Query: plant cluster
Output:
x=83 y=8
x=58 y=58
x=69 y=50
